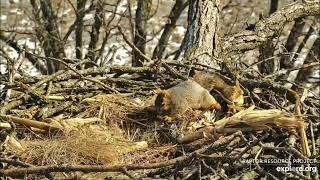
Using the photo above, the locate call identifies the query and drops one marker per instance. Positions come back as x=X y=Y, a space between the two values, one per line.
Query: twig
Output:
x=133 y=46
x=85 y=78
x=101 y=84
x=124 y=171
x=30 y=123
x=15 y=162
x=260 y=170
x=255 y=142
x=165 y=65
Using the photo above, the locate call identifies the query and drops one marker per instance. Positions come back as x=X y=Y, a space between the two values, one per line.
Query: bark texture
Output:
x=267 y=49
x=202 y=37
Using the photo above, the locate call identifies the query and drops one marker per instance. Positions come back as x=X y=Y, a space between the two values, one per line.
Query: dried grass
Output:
x=91 y=145
x=262 y=119
x=114 y=109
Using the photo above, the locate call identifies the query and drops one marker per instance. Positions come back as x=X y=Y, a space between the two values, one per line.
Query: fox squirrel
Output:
x=212 y=81
x=177 y=100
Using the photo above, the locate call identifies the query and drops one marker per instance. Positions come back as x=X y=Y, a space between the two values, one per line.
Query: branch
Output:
x=135 y=48
x=30 y=123
x=39 y=66
x=175 y=13
x=94 y=34
x=79 y=26
x=140 y=37
x=267 y=29
x=141 y=54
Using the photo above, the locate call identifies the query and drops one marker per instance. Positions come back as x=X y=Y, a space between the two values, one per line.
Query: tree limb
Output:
x=266 y=29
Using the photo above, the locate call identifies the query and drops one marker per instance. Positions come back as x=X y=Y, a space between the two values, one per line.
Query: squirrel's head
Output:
x=235 y=93
x=162 y=102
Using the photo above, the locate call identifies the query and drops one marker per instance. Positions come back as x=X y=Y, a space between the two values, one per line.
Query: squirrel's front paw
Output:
x=168 y=119
x=215 y=106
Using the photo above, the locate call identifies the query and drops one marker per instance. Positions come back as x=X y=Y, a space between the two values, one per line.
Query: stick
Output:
x=30 y=123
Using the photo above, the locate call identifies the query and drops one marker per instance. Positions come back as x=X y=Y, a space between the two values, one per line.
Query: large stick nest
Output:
x=78 y=122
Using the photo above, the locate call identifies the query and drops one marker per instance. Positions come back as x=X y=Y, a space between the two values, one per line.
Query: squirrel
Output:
x=233 y=93
x=175 y=101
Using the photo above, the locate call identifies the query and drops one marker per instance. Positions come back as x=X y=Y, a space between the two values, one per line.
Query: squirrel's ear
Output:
x=164 y=94
x=157 y=91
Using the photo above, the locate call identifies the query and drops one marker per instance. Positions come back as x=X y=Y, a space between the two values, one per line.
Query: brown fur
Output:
x=209 y=81
x=162 y=102
x=177 y=100
x=233 y=93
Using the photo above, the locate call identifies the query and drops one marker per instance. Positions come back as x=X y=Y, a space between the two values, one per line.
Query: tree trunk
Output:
x=79 y=29
x=140 y=39
x=266 y=52
x=94 y=34
x=51 y=41
x=301 y=76
x=202 y=43
x=175 y=13
x=267 y=48
x=295 y=33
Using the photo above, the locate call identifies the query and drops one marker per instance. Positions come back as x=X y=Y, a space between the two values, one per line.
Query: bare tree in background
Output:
x=174 y=15
x=76 y=43
x=266 y=50
x=95 y=31
x=140 y=35
x=48 y=33
x=201 y=43
x=79 y=27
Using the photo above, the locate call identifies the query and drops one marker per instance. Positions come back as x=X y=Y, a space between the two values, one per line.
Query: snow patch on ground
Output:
x=11 y=52
x=28 y=43
x=16 y=11
x=180 y=30
x=88 y=17
x=115 y=54
x=26 y=66
x=70 y=51
x=3 y=18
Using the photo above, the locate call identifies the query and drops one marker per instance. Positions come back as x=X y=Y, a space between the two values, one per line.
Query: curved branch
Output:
x=34 y=61
x=267 y=28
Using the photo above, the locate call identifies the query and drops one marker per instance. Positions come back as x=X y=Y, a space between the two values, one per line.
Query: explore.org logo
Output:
x=296 y=169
